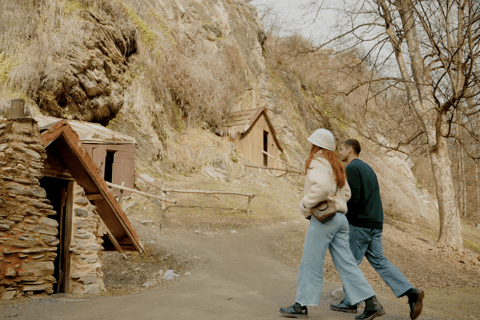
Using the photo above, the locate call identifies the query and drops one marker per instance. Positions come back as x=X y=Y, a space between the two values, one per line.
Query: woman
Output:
x=326 y=180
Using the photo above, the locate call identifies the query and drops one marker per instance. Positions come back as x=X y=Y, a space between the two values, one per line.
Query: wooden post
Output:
x=164 y=206
x=240 y=205
x=121 y=193
x=248 y=205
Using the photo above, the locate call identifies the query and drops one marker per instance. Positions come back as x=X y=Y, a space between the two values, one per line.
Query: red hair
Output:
x=332 y=158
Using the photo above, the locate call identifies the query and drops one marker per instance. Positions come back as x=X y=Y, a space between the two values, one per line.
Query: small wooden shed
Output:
x=112 y=152
x=57 y=214
x=253 y=135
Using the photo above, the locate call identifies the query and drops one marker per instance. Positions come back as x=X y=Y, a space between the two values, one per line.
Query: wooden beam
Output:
x=149 y=183
x=94 y=196
x=210 y=192
x=240 y=205
x=139 y=192
x=114 y=241
x=270 y=168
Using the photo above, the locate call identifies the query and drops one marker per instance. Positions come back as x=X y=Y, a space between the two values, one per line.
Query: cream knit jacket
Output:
x=320 y=185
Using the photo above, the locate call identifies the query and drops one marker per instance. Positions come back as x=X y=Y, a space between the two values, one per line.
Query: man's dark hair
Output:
x=354 y=144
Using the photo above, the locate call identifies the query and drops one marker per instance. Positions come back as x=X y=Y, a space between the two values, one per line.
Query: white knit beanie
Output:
x=323 y=138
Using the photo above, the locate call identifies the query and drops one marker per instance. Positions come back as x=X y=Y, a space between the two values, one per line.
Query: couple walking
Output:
x=354 y=231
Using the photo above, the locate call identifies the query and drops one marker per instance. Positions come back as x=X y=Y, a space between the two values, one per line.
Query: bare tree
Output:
x=273 y=22
x=433 y=89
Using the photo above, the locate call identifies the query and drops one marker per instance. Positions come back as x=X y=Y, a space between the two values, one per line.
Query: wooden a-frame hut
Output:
x=253 y=135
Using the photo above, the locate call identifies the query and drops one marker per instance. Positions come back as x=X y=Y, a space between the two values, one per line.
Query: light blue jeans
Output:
x=366 y=242
x=332 y=235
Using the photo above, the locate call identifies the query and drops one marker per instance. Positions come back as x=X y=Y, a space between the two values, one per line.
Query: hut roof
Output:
x=82 y=168
x=88 y=132
x=242 y=121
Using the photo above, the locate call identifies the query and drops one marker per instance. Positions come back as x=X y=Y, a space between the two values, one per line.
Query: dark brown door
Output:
x=60 y=194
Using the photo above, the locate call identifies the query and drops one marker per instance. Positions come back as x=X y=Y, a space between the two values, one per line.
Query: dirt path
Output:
x=240 y=278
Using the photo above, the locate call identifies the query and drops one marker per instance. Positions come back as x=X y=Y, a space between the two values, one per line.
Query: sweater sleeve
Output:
x=348 y=191
x=354 y=182
x=320 y=185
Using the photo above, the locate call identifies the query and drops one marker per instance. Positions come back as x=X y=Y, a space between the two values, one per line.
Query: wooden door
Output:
x=99 y=153
x=60 y=194
x=123 y=170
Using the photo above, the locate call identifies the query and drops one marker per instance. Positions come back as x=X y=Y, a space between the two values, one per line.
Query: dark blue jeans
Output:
x=366 y=242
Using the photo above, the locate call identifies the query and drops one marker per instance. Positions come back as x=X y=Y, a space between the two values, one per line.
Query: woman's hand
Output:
x=304 y=210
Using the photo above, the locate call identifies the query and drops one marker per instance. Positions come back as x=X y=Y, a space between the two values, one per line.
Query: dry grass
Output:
x=203 y=77
x=36 y=39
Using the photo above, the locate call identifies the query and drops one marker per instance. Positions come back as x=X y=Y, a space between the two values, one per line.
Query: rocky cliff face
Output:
x=163 y=63
x=152 y=68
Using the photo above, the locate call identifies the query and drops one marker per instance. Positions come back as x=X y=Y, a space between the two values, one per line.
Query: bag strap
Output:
x=335 y=192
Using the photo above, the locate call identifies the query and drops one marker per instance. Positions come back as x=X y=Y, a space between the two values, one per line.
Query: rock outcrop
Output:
x=91 y=84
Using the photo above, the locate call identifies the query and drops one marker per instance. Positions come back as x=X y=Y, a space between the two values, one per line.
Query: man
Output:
x=365 y=217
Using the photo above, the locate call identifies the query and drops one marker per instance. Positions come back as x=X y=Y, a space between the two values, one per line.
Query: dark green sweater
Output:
x=365 y=206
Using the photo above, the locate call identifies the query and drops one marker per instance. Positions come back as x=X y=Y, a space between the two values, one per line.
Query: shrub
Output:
x=203 y=78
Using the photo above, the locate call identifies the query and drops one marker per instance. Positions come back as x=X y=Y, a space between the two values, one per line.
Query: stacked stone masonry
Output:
x=28 y=232
x=86 y=247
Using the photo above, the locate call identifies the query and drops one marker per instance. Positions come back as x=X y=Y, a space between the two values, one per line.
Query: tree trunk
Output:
x=450 y=223
x=478 y=189
x=433 y=119
x=464 y=185
x=460 y=184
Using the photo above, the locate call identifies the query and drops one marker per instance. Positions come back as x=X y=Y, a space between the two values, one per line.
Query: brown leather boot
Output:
x=415 y=297
x=295 y=311
x=373 y=309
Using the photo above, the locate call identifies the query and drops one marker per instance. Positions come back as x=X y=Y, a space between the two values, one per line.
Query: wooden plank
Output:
x=56 y=174
x=94 y=196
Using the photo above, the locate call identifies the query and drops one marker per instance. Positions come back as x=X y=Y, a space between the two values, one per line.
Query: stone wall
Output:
x=27 y=233
x=86 y=247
